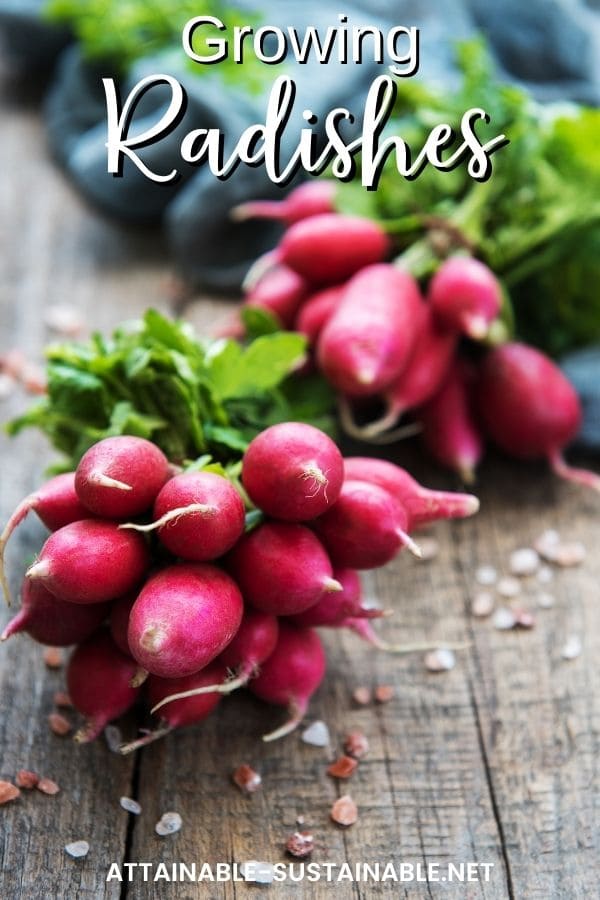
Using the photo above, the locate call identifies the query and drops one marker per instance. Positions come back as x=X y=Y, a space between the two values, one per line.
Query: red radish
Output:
x=199 y=516
x=91 y=561
x=51 y=621
x=291 y=674
x=465 y=296
x=365 y=528
x=367 y=342
x=183 y=618
x=119 y=477
x=282 y=568
x=280 y=291
x=98 y=682
x=253 y=643
x=421 y=504
x=293 y=471
x=326 y=249
x=309 y=199
x=56 y=504
x=421 y=379
x=119 y=620
x=335 y=608
x=450 y=432
x=530 y=409
x=315 y=312
x=193 y=708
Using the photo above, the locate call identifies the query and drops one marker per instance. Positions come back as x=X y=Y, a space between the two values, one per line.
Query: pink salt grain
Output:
x=8 y=792
x=47 y=786
x=344 y=811
x=300 y=844
x=343 y=767
x=58 y=724
x=26 y=779
x=356 y=744
x=247 y=779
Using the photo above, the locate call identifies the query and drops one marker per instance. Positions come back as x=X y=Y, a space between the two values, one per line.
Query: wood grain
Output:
x=493 y=762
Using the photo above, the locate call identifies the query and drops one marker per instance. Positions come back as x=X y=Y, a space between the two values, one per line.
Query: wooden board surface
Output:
x=495 y=762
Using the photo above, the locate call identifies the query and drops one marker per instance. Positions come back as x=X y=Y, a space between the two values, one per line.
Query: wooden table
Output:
x=494 y=762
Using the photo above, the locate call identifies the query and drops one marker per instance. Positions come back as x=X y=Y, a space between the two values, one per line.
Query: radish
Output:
x=421 y=504
x=530 y=409
x=98 y=682
x=119 y=620
x=316 y=311
x=421 y=379
x=336 y=608
x=465 y=296
x=90 y=561
x=183 y=618
x=291 y=674
x=365 y=528
x=195 y=706
x=309 y=199
x=450 y=431
x=252 y=645
x=56 y=504
x=54 y=622
x=367 y=341
x=119 y=477
x=280 y=291
x=281 y=568
x=199 y=516
x=293 y=471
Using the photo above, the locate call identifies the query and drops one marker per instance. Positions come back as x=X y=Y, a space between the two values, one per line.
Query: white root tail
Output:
x=204 y=509
x=225 y=687
x=103 y=480
x=297 y=712
x=149 y=738
x=375 y=432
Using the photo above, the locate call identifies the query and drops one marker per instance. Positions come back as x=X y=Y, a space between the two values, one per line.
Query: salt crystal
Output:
x=78 y=849
x=384 y=693
x=486 y=575
x=547 y=542
x=113 y=738
x=545 y=600
x=356 y=744
x=169 y=823
x=259 y=872
x=247 y=779
x=7 y=386
x=569 y=554
x=53 y=657
x=300 y=844
x=26 y=779
x=344 y=811
x=430 y=548
x=482 y=604
x=59 y=724
x=545 y=575
x=524 y=561
x=343 y=767
x=130 y=805
x=571 y=648
x=523 y=618
x=508 y=587
x=317 y=734
x=47 y=786
x=362 y=696
x=441 y=660
x=8 y=792
x=504 y=619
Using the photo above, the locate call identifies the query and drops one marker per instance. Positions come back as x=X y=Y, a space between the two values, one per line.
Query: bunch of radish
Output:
x=181 y=586
x=389 y=344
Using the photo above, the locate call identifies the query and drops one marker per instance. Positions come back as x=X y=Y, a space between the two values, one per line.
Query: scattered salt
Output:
x=384 y=693
x=545 y=600
x=430 y=548
x=26 y=779
x=523 y=618
x=247 y=779
x=317 y=734
x=362 y=696
x=169 y=823
x=259 y=872
x=356 y=744
x=546 y=543
x=508 y=587
x=524 y=561
x=8 y=792
x=300 y=844
x=53 y=657
x=77 y=849
x=504 y=619
x=545 y=575
x=441 y=660
x=343 y=767
x=130 y=805
x=482 y=604
x=569 y=554
x=486 y=575
x=344 y=811
x=59 y=724
x=47 y=786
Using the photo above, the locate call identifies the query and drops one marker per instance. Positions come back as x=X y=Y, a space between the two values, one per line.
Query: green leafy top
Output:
x=122 y=31
x=535 y=221
x=190 y=396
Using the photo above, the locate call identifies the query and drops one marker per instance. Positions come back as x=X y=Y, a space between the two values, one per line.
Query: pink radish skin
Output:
x=253 y=643
x=91 y=561
x=183 y=618
x=334 y=609
x=450 y=432
x=280 y=291
x=198 y=515
x=56 y=503
x=98 y=682
x=367 y=342
x=530 y=409
x=365 y=529
x=309 y=199
x=193 y=708
x=422 y=505
x=329 y=248
x=465 y=296
x=281 y=568
x=119 y=621
x=291 y=675
x=293 y=471
x=53 y=622
x=120 y=477
x=316 y=311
